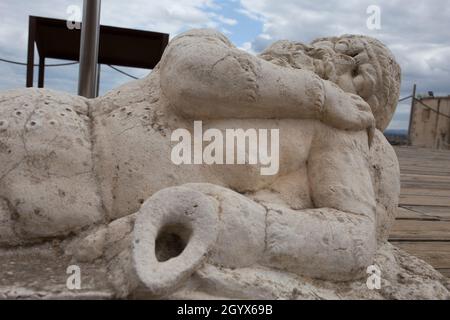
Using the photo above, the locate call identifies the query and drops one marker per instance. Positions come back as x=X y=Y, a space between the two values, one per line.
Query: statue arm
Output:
x=337 y=240
x=204 y=77
x=339 y=173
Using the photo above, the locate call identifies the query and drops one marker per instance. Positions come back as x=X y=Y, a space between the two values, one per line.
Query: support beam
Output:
x=41 y=72
x=89 y=47
x=413 y=103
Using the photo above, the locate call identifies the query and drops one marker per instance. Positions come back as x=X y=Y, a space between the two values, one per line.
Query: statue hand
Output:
x=347 y=111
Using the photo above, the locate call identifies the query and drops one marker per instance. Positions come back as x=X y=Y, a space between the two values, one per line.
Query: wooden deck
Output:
x=422 y=227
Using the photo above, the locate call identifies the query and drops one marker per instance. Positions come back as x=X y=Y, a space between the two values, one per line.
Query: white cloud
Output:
x=249 y=14
x=227 y=21
x=168 y=16
x=247 y=46
x=416 y=31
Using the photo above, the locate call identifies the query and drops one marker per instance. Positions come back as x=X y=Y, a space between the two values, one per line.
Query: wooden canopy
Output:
x=117 y=46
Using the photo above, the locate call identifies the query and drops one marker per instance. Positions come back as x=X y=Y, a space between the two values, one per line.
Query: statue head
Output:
x=358 y=64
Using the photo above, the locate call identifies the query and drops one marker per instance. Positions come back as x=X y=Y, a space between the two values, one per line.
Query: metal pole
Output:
x=90 y=34
x=413 y=102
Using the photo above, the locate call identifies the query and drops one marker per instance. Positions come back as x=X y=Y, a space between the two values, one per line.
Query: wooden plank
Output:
x=411 y=230
x=445 y=272
x=424 y=172
x=415 y=149
x=425 y=192
x=424 y=200
x=425 y=185
x=435 y=253
x=405 y=213
x=425 y=163
x=424 y=154
x=422 y=178
x=425 y=182
x=442 y=213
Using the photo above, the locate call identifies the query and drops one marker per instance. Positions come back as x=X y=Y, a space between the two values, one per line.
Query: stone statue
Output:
x=97 y=177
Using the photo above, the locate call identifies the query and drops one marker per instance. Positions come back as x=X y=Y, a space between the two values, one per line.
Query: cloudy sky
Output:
x=416 y=31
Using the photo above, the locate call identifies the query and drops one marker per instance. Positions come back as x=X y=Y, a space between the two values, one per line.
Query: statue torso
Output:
x=140 y=159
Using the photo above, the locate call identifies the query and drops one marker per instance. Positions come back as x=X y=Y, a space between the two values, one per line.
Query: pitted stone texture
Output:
x=131 y=134
x=46 y=178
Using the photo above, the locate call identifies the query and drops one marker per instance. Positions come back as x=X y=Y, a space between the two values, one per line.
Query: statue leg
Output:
x=320 y=243
x=178 y=229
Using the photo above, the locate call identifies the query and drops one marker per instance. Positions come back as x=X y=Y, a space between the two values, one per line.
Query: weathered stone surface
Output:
x=97 y=175
x=40 y=272
x=403 y=277
x=47 y=183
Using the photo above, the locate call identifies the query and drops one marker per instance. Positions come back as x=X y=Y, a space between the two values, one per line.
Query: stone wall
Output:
x=430 y=129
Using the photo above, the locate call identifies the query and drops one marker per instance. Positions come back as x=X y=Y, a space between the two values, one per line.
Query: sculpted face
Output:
x=357 y=64
x=366 y=67
x=355 y=72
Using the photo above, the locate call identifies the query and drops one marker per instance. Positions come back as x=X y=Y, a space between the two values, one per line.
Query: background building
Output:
x=430 y=123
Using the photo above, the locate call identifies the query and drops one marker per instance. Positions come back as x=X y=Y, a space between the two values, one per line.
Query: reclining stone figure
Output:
x=75 y=168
